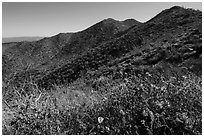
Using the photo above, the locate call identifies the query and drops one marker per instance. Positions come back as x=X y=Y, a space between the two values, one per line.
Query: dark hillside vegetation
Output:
x=50 y=53
x=115 y=78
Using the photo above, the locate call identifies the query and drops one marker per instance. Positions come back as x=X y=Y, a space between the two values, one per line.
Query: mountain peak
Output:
x=131 y=22
x=109 y=20
x=175 y=11
x=176 y=7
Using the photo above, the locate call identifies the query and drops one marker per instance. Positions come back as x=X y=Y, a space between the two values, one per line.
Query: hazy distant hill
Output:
x=19 y=39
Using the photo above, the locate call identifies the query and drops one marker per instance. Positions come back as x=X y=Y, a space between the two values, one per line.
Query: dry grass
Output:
x=133 y=105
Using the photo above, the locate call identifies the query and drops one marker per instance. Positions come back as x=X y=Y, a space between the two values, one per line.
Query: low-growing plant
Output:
x=149 y=101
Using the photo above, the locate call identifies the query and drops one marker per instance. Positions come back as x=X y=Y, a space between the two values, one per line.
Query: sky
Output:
x=47 y=19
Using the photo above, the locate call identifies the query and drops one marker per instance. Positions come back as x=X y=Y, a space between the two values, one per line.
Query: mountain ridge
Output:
x=110 y=30
x=163 y=38
x=20 y=39
x=62 y=45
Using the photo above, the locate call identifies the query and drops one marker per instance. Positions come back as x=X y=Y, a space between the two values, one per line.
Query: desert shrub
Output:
x=154 y=100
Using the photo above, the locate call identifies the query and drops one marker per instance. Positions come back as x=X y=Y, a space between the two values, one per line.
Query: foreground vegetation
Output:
x=151 y=100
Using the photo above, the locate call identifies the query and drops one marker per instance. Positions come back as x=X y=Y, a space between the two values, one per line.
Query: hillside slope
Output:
x=173 y=36
x=22 y=56
x=56 y=51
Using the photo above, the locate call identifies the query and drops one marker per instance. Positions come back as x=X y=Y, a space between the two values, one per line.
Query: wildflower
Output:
x=184 y=77
x=148 y=74
x=163 y=88
x=107 y=128
x=152 y=85
x=100 y=119
x=145 y=113
x=143 y=122
x=122 y=112
x=160 y=104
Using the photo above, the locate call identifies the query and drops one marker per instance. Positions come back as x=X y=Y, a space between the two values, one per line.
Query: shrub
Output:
x=155 y=100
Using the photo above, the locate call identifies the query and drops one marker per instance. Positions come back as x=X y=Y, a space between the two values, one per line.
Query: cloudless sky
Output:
x=48 y=19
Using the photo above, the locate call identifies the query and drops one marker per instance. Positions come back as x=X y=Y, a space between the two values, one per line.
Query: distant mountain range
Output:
x=63 y=56
x=19 y=39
